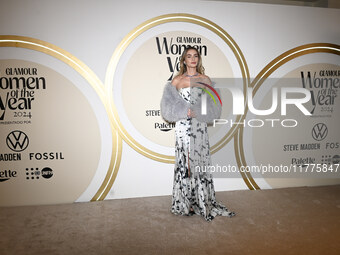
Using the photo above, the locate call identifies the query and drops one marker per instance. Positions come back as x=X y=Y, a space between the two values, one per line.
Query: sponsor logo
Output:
x=47 y=173
x=303 y=162
x=332 y=145
x=165 y=127
x=329 y=159
x=46 y=156
x=5 y=175
x=17 y=141
x=162 y=126
x=32 y=173
x=319 y=131
x=301 y=147
x=35 y=173
x=10 y=157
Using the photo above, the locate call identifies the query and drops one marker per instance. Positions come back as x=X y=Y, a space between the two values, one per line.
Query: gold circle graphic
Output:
x=93 y=80
x=178 y=17
x=258 y=81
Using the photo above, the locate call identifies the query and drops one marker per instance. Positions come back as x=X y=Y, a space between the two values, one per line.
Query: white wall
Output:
x=91 y=31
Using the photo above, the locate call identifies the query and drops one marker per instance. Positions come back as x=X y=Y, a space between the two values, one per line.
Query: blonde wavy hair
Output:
x=183 y=68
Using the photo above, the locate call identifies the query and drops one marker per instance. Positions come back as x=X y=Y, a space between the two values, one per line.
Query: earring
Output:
x=184 y=63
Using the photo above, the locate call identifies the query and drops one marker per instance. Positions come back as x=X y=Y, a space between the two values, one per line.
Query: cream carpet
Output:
x=304 y=220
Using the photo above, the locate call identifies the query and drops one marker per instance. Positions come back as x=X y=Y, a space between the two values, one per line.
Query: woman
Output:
x=193 y=190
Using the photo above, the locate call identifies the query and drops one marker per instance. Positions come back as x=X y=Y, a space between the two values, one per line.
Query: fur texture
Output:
x=213 y=110
x=174 y=107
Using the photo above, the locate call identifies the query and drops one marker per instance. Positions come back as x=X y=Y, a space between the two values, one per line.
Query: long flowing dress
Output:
x=191 y=188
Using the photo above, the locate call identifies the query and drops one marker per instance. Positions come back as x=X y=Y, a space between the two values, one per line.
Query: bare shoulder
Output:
x=175 y=81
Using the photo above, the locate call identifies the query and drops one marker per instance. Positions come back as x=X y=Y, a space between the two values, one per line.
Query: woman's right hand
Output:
x=191 y=114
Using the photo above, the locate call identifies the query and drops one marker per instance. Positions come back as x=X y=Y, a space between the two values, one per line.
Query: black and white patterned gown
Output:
x=194 y=189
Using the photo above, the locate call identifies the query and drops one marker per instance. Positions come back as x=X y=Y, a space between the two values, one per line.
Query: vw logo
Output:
x=319 y=131
x=17 y=141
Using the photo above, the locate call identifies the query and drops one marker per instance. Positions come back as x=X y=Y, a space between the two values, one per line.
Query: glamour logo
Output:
x=323 y=89
x=173 y=49
x=20 y=92
x=170 y=47
x=319 y=131
x=17 y=141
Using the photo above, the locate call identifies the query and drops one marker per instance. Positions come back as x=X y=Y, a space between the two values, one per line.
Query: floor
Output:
x=303 y=220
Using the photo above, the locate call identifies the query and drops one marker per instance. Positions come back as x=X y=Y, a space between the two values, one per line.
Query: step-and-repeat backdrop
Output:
x=80 y=96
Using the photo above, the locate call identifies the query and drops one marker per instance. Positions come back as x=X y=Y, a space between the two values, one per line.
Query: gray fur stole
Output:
x=174 y=107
